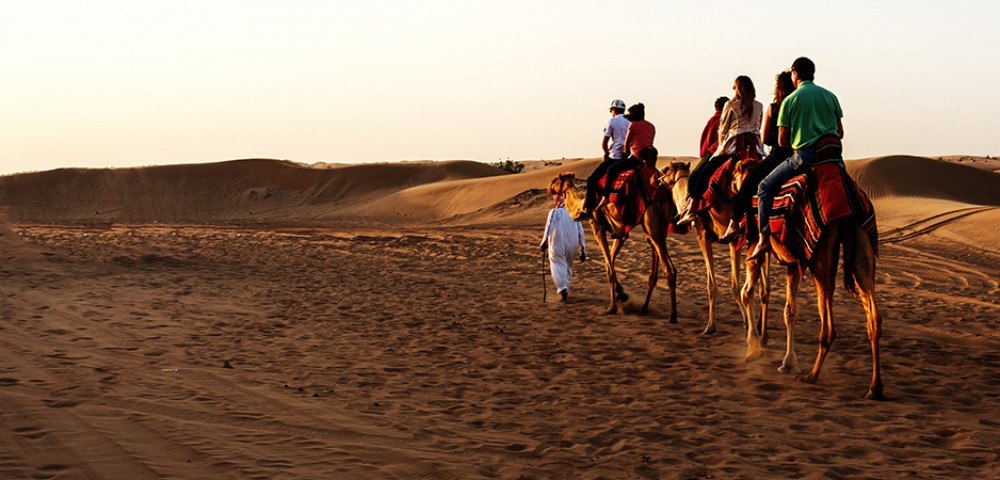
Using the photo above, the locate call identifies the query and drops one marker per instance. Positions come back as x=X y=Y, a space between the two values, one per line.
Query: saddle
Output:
x=631 y=191
x=809 y=201
x=719 y=193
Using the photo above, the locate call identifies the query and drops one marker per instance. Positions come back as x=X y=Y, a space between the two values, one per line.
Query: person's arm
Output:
x=548 y=230
x=766 y=128
x=628 y=142
x=784 y=137
x=724 y=122
x=604 y=146
x=840 y=129
x=583 y=242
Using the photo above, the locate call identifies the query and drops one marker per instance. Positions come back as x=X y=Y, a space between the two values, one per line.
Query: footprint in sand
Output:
x=32 y=433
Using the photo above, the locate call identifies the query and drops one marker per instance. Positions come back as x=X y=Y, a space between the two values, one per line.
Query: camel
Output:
x=859 y=280
x=608 y=220
x=709 y=228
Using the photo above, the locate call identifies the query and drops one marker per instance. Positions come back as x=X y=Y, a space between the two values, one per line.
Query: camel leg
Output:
x=659 y=243
x=617 y=292
x=734 y=281
x=765 y=296
x=790 y=363
x=864 y=275
x=671 y=281
x=754 y=349
x=602 y=242
x=874 y=334
x=654 y=271
x=824 y=271
x=708 y=256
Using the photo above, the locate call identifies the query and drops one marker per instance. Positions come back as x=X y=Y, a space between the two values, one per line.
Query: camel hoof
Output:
x=622 y=297
x=786 y=369
x=673 y=318
x=644 y=311
x=753 y=354
x=875 y=392
x=708 y=330
x=875 y=395
x=810 y=378
x=763 y=340
x=612 y=310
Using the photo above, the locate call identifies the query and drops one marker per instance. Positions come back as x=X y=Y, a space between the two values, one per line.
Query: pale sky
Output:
x=125 y=83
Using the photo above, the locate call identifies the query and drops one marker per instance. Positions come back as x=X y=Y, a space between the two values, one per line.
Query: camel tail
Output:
x=849 y=240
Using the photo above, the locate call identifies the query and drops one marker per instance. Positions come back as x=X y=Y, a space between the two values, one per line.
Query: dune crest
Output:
x=908 y=176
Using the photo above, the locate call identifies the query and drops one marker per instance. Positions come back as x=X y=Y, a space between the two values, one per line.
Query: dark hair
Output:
x=783 y=86
x=648 y=155
x=619 y=111
x=805 y=68
x=746 y=94
x=721 y=102
x=636 y=113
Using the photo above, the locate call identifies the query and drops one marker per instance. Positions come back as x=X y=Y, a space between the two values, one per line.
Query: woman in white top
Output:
x=739 y=137
x=741 y=115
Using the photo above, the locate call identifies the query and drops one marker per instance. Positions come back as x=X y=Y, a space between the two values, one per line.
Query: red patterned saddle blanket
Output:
x=631 y=191
x=809 y=201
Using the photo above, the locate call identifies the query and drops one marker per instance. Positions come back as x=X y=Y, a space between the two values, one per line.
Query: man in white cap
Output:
x=614 y=133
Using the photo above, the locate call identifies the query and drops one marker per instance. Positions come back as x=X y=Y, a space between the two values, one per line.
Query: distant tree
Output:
x=509 y=166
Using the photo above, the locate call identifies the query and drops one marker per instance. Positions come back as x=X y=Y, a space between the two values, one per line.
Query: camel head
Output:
x=564 y=182
x=675 y=176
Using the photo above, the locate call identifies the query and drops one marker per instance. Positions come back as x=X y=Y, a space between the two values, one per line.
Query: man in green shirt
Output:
x=810 y=116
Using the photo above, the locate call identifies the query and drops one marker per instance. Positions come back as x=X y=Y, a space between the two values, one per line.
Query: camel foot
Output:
x=612 y=310
x=710 y=329
x=810 y=378
x=621 y=297
x=754 y=354
x=875 y=393
x=763 y=340
x=673 y=318
x=789 y=369
x=644 y=311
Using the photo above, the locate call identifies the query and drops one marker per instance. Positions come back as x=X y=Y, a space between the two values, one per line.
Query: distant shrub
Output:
x=509 y=166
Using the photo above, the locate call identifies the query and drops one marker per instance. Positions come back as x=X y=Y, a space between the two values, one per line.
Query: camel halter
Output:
x=670 y=183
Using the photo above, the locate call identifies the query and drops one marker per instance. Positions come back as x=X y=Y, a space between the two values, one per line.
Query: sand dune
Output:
x=262 y=191
x=241 y=190
x=907 y=176
x=386 y=321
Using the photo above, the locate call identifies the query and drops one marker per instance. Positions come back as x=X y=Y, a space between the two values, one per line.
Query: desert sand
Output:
x=266 y=319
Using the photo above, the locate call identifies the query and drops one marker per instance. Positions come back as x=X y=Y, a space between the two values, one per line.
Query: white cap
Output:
x=618 y=103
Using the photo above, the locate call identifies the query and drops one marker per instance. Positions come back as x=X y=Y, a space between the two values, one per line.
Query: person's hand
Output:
x=583 y=256
x=545 y=246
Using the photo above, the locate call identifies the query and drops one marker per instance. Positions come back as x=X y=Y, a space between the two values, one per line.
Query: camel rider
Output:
x=614 y=133
x=638 y=139
x=561 y=239
x=710 y=134
x=809 y=118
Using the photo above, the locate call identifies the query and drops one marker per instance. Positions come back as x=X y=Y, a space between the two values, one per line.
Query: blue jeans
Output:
x=773 y=182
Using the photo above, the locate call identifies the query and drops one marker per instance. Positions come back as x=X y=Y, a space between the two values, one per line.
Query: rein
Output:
x=670 y=183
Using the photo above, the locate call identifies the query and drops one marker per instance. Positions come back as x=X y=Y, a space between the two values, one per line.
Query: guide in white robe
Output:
x=563 y=237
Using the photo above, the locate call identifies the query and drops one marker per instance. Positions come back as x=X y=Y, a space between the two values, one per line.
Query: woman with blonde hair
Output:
x=739 y=137
x=783 y=87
